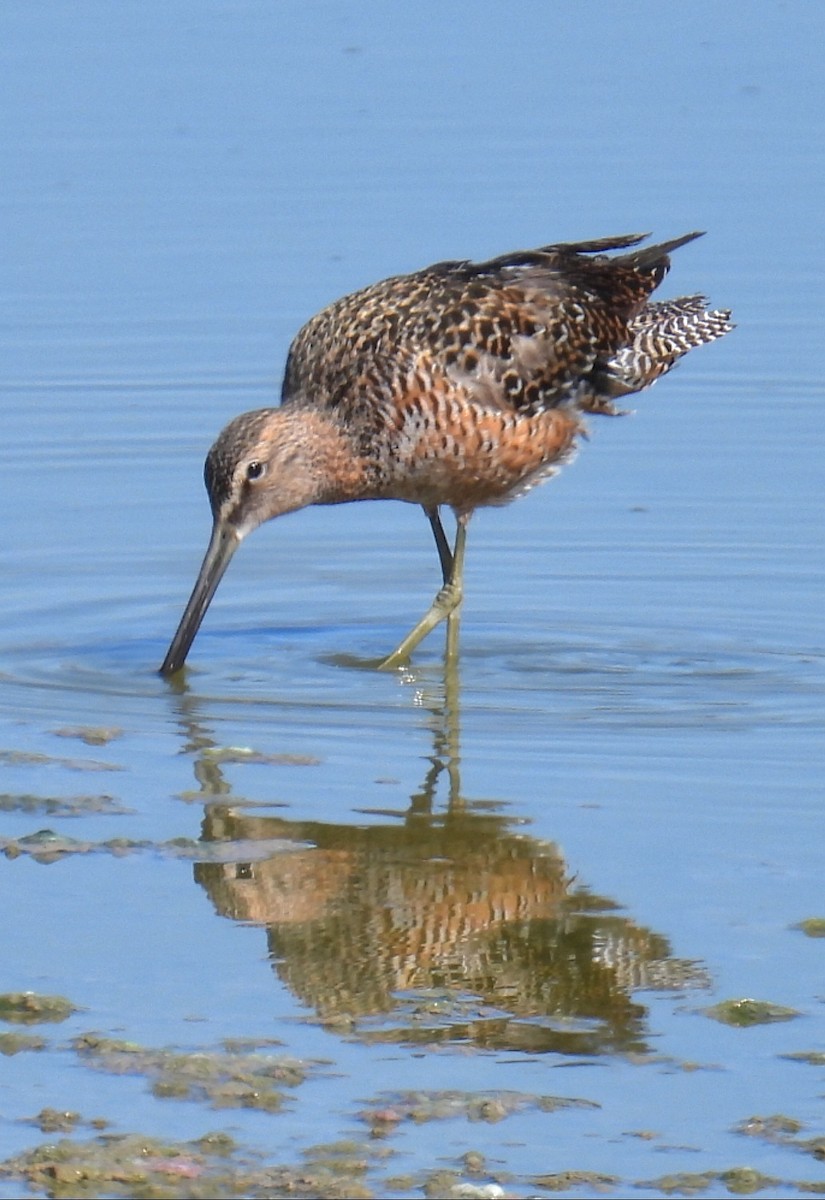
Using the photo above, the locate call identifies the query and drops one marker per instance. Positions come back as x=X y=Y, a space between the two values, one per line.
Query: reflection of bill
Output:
x=369 y=921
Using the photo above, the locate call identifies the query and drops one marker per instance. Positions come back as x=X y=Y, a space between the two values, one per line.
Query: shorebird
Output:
x=464 y=384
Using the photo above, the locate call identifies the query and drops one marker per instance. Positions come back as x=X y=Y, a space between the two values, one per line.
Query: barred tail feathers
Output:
x=660 y=335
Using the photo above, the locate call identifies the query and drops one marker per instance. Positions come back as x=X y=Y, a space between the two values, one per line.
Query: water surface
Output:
x=527 y=877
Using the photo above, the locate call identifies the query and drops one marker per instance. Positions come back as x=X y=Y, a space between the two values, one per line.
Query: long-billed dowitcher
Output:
x=463 y=384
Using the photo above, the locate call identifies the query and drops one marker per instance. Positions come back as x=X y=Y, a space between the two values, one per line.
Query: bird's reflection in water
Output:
x=441 y=923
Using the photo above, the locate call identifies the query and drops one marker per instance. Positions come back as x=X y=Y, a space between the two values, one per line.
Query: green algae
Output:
x=814 y=1058
x=127 y=1165
x=53 y=1120
x=745 y=1181
x=62 y=806
x=46 y=846
x=776 y=1128
x=220 y=1078
x=31 y=1008
x=782 y=1130
x=813 y=927
x=742 y=1014
x=18 y=1043
x=566 y=1181
x=738 y=1181
x=444 y=1182
x=27 y=758
x=390 y=1109
x=92 y=735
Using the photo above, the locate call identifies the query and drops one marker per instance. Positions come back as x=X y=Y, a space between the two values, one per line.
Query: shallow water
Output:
x=608 y=817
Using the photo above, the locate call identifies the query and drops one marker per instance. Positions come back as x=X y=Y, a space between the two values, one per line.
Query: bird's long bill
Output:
x=222 y=545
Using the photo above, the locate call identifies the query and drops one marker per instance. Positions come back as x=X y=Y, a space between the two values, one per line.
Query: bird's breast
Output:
x=444 y=451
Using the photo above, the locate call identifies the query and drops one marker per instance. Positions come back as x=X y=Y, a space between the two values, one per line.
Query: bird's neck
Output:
x=325 y=455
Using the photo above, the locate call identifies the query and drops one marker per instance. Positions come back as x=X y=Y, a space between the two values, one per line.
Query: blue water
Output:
x=641 y=684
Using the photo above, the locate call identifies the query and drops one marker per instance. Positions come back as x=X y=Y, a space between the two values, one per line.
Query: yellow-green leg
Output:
x=446 y=556
x=445 y=606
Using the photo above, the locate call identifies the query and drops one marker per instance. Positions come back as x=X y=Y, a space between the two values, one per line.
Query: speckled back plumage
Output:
x=465 y=382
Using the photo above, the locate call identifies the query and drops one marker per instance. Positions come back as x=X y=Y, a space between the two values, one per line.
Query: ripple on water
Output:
x=658 y=681
x=666 y=678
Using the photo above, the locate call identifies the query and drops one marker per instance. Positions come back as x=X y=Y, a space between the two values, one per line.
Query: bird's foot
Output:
x=446 y=603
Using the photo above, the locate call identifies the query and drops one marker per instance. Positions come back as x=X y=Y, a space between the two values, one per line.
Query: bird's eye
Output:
x=255 y=469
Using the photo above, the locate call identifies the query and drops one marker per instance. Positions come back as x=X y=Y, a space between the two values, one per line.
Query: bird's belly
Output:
x=480 y=458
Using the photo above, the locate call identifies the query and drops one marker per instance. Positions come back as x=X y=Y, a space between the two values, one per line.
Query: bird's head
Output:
x=263 y=464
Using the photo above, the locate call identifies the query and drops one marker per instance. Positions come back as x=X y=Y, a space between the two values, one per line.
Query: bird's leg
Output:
x=446 y=603
x=457 y=580
x=445 y=554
